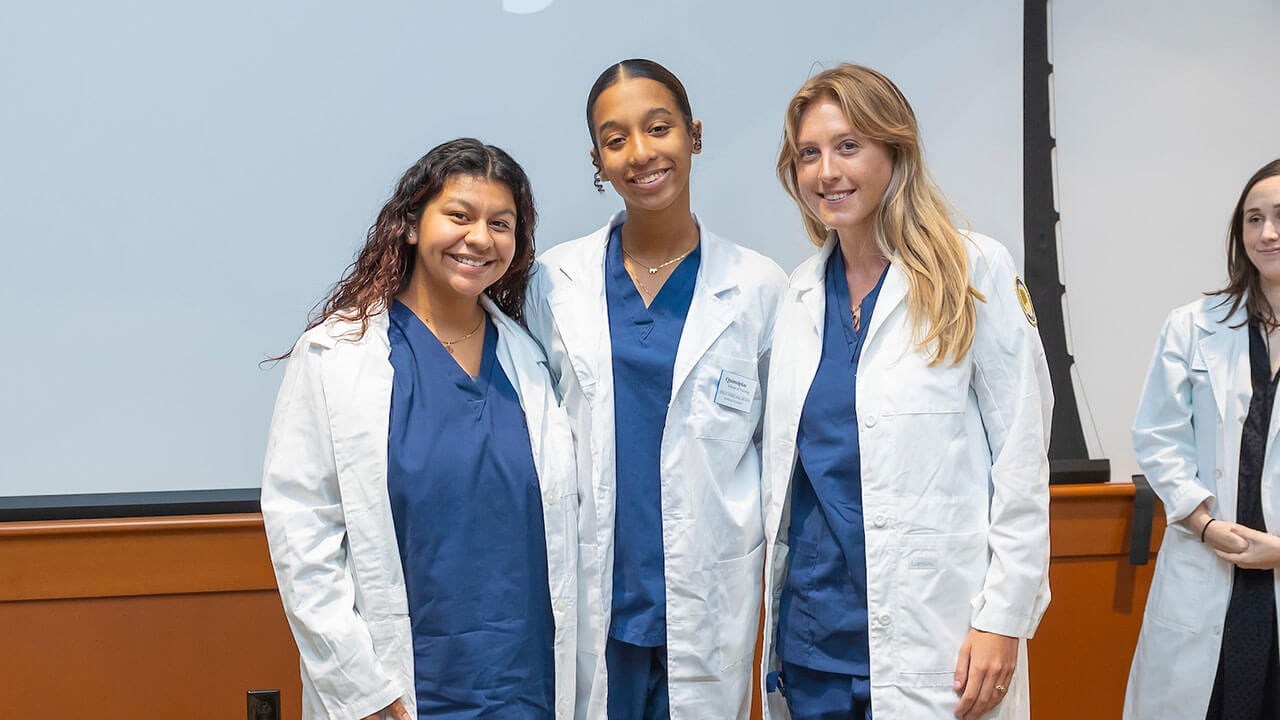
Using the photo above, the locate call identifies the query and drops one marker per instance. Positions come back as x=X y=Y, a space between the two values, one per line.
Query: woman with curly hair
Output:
x=419 y=492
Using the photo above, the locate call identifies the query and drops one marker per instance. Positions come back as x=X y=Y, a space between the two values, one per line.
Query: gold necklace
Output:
x=448 y=344
x=654 y=270
x=640 y=285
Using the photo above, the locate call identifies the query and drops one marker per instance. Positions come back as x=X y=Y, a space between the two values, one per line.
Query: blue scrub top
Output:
x=468 y=516
x=644 y=356
x=822 y=619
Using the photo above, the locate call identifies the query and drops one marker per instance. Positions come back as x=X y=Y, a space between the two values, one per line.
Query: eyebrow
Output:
x=472 y=208
x=1258 y=209
x=654 y=111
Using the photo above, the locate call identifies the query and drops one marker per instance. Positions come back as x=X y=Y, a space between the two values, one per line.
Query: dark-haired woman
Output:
x=658 y=335
x=1205 y=436
x=419 y=492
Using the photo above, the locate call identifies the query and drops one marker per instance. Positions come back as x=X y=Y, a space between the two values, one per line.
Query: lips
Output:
x=469 y=261
x=835 y=196
x=650 y=178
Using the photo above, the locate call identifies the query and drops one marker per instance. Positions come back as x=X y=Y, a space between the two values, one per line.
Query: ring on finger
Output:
x=1001 y=688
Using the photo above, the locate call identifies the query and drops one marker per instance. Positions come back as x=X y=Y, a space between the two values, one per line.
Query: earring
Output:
x=697 y=143
x=597 y=182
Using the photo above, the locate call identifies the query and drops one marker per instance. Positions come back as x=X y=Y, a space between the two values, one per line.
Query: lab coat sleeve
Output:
x=1015 y=398
x=1163 y=434
x=306 y=534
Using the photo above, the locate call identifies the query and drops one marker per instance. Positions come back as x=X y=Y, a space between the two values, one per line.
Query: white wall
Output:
x=1163 y=111
x=180 y=182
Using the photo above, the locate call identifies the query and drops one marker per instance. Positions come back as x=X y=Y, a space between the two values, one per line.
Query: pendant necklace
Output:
x=448 y=344
x=654 y=270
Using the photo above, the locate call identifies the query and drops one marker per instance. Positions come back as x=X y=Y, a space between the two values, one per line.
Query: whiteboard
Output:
x=181 y=182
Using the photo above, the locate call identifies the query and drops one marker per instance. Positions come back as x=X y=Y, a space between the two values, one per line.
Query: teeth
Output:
x=649 y=178
x=836 y=196
x=470 y=262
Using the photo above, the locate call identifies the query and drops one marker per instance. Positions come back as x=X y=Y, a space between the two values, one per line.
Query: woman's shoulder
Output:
x=987 y=255
x=574 y=251
x=344 y=327
x=752 y=267
x=1207 y=312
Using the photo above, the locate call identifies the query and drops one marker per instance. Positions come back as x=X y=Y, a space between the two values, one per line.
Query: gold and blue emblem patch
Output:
x=1024 y=299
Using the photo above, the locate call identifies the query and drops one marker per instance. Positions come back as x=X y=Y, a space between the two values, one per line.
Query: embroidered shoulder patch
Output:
x=1024 y=299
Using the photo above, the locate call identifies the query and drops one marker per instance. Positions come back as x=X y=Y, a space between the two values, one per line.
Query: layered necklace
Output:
x=653 y=269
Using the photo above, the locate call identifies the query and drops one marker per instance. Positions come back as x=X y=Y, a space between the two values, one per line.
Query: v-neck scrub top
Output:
x=467 y=508
x=644 y=344
x=822 y=619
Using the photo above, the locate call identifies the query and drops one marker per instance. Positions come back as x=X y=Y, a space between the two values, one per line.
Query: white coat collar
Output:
x=809 y=282
x=584 y=326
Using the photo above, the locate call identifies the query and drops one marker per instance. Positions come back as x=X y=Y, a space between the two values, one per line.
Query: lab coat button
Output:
x=881 y=521
x=1217 y=473
x=870 y=421
x=885 y=619
x=549 y=498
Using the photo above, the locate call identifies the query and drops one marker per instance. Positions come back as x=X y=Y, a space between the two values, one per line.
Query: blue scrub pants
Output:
x=818 y=695
x=637 y=681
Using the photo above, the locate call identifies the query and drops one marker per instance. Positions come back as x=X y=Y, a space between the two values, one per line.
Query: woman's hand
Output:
x=394 y=711
x=1223 y=537
x=1261 y=551
x=986 y=661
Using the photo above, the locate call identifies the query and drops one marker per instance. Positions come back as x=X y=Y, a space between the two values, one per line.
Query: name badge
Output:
x=735 y=391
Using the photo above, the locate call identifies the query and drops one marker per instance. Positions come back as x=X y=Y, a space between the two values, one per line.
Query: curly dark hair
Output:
x=383 y=265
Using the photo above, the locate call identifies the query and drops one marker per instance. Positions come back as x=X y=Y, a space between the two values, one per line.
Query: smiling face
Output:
x=643 y=145
x=841 y=174
x=1261 y=229
x=465 y=238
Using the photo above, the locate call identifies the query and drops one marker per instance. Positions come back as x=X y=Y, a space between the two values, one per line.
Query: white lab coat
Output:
x=328 y=515
x=1187 y=440
x=711 y=522
x=954 y=483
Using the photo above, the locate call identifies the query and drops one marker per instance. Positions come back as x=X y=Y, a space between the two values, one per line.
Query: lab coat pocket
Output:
x=937 y=578
x=735 y=608
x=1183 y=569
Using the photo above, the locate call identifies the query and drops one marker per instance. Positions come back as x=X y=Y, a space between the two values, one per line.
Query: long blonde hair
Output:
x=913 y=227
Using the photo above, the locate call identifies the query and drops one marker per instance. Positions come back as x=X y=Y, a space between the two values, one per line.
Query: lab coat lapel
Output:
x=709 y=314
x=584 y=325
x=1225 y=351
x=810 y=285
x=516 y=366
x=892 y=293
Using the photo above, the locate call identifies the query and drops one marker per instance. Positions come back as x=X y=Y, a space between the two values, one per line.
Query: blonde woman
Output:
x=905 y=468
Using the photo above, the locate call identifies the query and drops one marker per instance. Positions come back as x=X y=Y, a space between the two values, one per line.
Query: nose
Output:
x=479 y=236
x=642 y=150
x=826 y=167
x=1271 y=229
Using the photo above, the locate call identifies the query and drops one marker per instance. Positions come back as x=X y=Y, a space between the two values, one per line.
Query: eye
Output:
x=615 y=141
x=659 y=129
x=808 y=153
x=848 y=146
x=457 y=215
x=501 y=225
